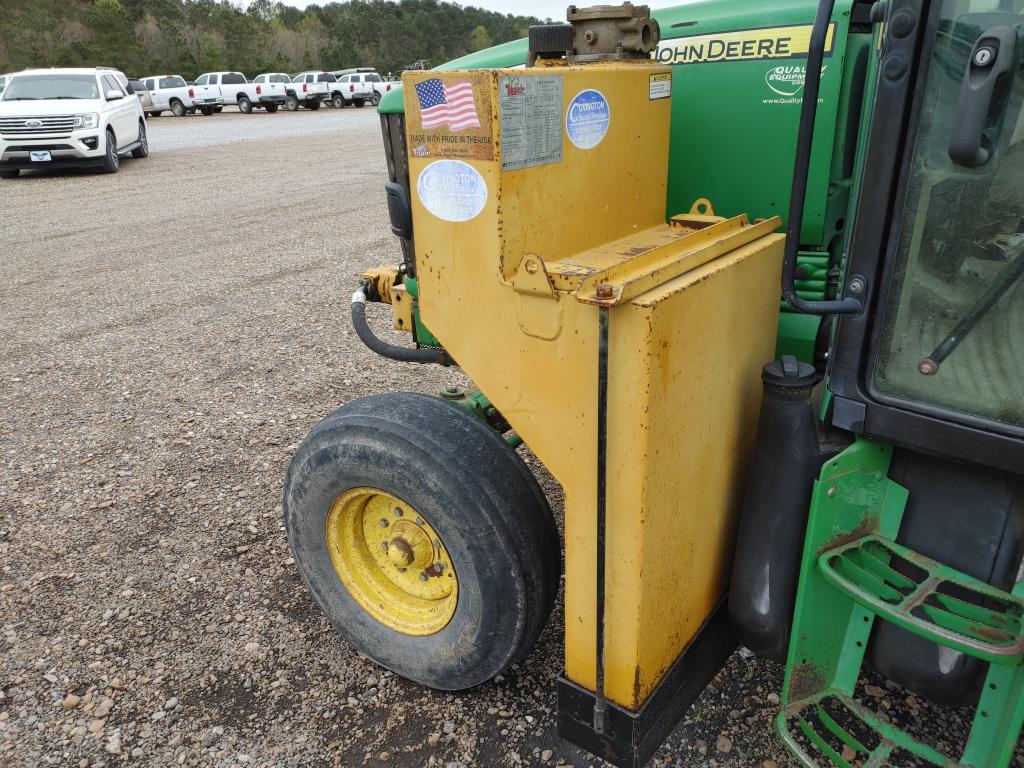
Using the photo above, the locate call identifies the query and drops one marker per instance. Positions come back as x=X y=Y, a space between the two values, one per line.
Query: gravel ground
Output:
x=168 y=336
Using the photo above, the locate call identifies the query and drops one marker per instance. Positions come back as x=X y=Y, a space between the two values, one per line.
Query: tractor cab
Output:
x=910 y=557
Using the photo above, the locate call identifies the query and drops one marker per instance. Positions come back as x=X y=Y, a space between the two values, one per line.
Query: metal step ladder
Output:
x=853 y=574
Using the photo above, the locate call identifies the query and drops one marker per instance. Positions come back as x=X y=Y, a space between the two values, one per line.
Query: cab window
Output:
x=204 y=80
x=111 y=84
x=150 y=84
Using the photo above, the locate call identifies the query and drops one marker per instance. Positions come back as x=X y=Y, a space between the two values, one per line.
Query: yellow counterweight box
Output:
x=549 y=270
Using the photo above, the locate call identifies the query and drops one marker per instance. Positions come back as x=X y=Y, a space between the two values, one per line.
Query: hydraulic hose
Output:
x=383 y=348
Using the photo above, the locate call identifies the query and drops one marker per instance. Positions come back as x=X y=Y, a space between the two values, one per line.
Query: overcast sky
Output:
x=539 y=8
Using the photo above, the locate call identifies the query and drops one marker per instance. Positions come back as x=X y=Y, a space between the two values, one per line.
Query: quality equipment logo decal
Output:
x=788 y=80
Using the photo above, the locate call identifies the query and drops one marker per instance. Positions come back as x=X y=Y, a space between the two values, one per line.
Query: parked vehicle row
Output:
x=215 y=90
x=363 y=83
x=341 y=88
x=212 y=91
x=92 y=117
x=82 y=118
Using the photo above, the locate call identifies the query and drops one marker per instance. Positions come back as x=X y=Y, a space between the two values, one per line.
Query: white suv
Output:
x=69 y=118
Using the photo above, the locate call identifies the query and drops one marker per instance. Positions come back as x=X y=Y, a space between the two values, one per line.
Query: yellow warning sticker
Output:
x=743 y=45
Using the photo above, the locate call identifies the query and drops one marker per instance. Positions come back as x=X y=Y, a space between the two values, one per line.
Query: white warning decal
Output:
x=452 y=190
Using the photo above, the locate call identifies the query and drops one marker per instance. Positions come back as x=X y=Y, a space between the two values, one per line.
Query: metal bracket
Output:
x=532 y=278
x=538 y=308
x=401 y=308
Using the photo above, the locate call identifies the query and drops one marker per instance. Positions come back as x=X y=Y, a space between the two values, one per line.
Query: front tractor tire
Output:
x=424 y=538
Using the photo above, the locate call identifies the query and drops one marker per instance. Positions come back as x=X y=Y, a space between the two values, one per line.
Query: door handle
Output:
x=991 y=59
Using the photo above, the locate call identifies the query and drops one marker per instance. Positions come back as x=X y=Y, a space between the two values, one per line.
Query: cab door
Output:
x=935 y=361
x=201 y=89
x=951 y=335
x=152 y=84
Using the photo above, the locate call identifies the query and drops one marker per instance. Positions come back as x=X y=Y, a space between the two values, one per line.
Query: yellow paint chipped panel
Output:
x=684 y=370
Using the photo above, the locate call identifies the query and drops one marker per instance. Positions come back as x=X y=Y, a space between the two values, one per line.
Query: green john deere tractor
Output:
x=846 y=492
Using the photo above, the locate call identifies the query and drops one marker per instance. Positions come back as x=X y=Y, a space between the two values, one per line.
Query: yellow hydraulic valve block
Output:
x=548 y=268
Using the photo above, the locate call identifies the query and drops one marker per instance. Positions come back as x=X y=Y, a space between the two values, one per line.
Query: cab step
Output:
x=928 y=598
x=852 y=575
x=833 y=727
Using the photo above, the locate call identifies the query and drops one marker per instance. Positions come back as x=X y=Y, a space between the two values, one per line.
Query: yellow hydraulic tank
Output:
x=550 y=271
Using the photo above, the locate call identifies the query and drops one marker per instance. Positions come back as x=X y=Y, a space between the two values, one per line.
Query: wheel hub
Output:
x=410 y=546
x=391 y=561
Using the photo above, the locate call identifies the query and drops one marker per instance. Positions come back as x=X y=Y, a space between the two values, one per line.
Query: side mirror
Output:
x=113 y=95
x=399 y=210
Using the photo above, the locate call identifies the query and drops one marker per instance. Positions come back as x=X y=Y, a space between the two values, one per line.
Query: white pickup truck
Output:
x=169 y=92
x=361 y=86
x=311 y=89
x=215 y=90
x=271 y=90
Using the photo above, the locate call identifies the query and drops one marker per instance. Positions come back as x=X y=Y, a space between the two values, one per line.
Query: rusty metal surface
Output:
x=684 y=364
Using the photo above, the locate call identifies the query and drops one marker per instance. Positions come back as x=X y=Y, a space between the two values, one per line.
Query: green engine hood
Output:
x=694 y=18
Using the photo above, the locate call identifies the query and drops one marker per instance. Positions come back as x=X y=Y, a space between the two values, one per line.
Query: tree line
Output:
x=188 y=37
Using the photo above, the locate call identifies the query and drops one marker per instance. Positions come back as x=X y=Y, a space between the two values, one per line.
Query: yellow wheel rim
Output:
x=392 y=561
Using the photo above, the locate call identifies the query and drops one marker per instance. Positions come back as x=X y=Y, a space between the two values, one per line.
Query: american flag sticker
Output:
x=449 y=106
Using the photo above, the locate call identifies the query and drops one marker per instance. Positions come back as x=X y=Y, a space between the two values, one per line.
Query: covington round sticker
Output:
x=588 y=118
x=452 y=190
